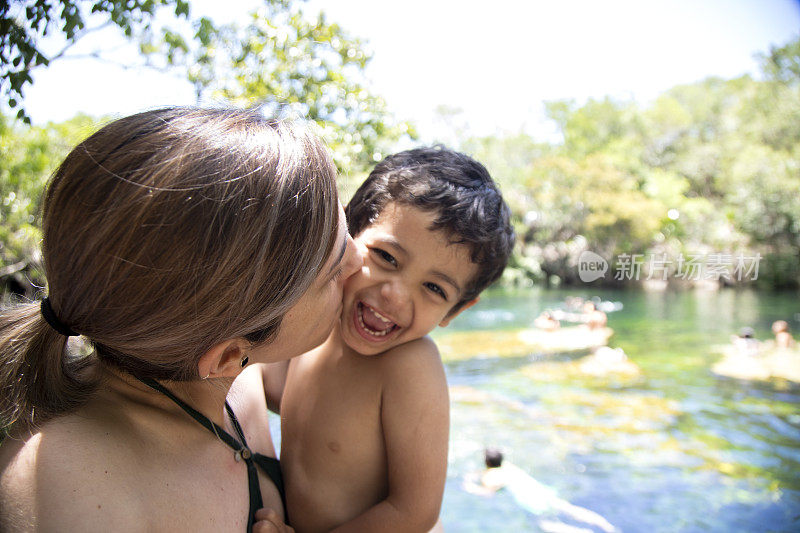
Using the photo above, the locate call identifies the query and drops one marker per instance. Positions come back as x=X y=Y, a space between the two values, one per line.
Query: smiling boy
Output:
x=365 y=416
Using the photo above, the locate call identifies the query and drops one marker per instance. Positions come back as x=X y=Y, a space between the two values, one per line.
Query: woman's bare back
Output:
x=124 y=465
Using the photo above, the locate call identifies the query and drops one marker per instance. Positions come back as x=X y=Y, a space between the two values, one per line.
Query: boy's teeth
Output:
x=382 y=319
x=380 y=316
x=370 y=330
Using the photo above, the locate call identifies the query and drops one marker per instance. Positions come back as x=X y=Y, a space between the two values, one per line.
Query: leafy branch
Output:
x=25 y=23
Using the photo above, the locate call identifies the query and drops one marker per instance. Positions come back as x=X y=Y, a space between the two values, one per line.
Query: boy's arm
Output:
x=274 y=377
x=415 y=414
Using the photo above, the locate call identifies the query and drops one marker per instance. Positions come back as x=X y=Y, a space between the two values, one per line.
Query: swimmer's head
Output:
x=780 y=326
x=493 y=457
x=746 y=333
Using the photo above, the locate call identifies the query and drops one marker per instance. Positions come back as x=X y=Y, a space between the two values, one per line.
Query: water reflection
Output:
x=671 y=447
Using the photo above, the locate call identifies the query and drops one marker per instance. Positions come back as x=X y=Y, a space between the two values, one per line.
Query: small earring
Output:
x=245 y=359
x=206 y=376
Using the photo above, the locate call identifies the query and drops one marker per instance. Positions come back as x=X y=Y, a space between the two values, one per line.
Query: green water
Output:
x=675 y=448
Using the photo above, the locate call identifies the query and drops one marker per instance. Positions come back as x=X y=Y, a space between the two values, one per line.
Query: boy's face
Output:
x=411 y=279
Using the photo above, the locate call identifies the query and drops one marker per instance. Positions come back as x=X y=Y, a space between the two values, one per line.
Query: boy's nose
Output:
x=395 y=293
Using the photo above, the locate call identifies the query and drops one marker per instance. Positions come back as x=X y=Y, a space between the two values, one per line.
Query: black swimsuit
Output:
x=269 y=465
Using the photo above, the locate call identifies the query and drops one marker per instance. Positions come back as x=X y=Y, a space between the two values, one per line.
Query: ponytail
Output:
x=39 y=379
x=193 y=226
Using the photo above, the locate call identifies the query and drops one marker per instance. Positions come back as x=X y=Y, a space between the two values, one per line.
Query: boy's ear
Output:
x=451 y=316
x=223 y=359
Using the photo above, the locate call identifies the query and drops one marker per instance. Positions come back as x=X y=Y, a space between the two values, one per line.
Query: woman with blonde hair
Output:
x=183 y=246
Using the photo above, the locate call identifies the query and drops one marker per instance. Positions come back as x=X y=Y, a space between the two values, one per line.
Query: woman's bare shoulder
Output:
x=17 y=483
x=60 y=478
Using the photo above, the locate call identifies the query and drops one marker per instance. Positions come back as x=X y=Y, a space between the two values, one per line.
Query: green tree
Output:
x=30 y=155
x=598 y=125
x=295 y=65
x=25 y=23
x=708 y=167
x=782 y=63
x=591 y=204
x=291 y=63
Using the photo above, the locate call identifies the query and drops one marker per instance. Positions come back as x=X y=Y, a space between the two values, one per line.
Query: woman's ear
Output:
x=450 y=316
x=223 y=359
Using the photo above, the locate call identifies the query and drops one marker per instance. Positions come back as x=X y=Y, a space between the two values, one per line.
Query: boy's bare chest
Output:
x=335 y=400
x=332 y=411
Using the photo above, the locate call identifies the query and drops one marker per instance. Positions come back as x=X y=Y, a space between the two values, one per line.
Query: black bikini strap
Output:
x=235 y=423
x=201 y=418
x=240 y=447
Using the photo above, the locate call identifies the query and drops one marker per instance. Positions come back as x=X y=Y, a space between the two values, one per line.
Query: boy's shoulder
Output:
x=416 y=351
x=417 y=359
x=414 y=360
x=422 y=348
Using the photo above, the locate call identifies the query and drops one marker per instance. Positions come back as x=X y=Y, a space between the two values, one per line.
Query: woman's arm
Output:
x=415 y=415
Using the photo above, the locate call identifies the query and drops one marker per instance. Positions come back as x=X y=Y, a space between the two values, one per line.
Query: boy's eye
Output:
x=385 y=256
x=434 y=288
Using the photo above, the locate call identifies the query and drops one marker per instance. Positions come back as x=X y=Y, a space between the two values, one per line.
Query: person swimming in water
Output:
x=746 y=343
x=547 y=322
x=531 y=495
x=783 y=338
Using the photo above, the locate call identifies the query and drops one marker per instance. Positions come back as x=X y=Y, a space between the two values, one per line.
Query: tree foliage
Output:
x=30 y=155
x=708 y=167
x=295 y=65
x=712 y=166
x=25 y=23
x=291 y=63
x=782 y=63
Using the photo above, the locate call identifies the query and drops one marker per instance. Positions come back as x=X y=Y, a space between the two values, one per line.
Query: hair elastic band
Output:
x=51 y=318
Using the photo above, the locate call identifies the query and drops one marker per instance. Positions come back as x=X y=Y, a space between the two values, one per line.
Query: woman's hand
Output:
x=268 y=521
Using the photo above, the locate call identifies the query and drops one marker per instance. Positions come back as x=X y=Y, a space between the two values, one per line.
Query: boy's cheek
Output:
x=363 y=275
x=349 y=284
x=356 y=278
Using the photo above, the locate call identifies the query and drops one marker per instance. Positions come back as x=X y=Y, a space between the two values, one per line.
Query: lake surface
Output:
x=674 y=448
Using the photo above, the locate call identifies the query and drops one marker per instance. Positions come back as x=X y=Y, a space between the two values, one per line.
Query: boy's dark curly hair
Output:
x=468 y=204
